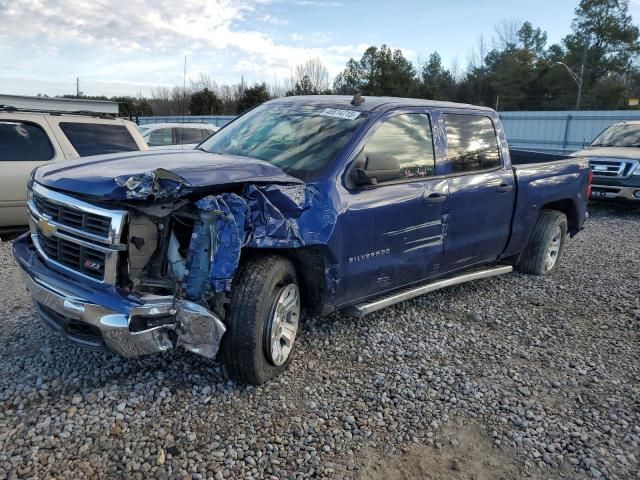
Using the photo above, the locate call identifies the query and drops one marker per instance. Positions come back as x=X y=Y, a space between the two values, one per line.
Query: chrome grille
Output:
x=612 y=168
x=72 y=217
x=75 y=236
x=86 y=260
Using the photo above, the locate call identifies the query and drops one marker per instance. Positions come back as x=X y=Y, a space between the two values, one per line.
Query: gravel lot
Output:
x=510 y=377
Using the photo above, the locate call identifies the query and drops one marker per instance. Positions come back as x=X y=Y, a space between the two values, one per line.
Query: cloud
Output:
x=145 y=41
x=317 y=3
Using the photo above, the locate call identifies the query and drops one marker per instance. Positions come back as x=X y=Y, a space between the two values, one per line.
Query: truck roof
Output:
x=371 y=104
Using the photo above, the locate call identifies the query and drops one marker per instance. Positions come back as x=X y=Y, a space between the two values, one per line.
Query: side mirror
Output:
x=377 y=168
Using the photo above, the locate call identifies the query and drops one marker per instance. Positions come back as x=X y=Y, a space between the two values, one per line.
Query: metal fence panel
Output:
x=558 y=132
x=217 y=120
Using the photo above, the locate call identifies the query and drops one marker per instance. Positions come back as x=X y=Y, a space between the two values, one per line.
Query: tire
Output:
x=254 y=314
x=549 y=234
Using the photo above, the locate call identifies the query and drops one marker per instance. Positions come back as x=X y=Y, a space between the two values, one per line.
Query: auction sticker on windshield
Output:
x=337 y=113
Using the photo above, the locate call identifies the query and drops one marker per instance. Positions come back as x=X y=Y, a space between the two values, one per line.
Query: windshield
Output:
x=622 y=135
x=300 y=139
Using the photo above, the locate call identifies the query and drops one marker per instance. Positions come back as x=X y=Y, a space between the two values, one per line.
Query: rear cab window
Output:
x=98 y=138
x=24 y=141
x=472 y=143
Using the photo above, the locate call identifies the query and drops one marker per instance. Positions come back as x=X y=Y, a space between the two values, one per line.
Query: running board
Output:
x=366 y=308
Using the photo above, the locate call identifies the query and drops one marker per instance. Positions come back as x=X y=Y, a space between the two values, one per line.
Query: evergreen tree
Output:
x=205 y=102
x=252 y=97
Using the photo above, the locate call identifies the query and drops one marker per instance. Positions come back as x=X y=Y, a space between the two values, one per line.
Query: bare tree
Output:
x=506 y=33
x=279 y=89
x=455 y=70
x=316 y=73
x=477 y=54
x=205 y=81
x=160 y=100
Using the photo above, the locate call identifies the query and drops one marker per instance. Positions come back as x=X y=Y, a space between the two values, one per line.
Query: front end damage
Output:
x=177 y=249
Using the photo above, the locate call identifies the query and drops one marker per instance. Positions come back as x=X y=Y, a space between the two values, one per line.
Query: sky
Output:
x=126 y=47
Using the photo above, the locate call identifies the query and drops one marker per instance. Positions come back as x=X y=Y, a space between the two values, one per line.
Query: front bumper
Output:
x=612 y=192
x=106 y=320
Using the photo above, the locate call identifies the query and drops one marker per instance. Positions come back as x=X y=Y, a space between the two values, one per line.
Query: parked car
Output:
x=318 y=203
x=177 y=136
x=615 y=161
x=29 y=139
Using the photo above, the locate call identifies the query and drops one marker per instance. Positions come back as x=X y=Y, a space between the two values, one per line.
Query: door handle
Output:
x=504 y=188
x=435 y=198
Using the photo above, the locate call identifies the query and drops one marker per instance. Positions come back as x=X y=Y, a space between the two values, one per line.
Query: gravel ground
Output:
x=510 y=377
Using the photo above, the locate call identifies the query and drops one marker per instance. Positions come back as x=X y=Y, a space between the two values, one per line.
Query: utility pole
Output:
x=584 y=59
x=78 y=87
x=576 y=78
x=184 y=88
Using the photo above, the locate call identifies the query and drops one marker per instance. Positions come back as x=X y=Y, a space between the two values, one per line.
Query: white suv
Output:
x=29 y=139
x=176 y=136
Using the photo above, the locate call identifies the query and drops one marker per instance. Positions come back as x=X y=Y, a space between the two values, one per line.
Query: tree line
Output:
x=595 y=65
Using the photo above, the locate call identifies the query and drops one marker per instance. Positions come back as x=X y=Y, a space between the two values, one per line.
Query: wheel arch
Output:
x=570 y=209
x=310 y=267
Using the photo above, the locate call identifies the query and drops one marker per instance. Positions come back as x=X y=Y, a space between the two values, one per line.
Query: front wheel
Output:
x=262 y=321
x=546 y=244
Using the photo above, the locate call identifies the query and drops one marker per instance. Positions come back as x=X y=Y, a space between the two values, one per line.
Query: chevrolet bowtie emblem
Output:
x=45 y=227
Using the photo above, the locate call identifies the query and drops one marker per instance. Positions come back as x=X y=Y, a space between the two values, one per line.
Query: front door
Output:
x=396 y=228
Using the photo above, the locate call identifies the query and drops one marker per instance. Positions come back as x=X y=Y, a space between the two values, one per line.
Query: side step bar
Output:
x=366 y=308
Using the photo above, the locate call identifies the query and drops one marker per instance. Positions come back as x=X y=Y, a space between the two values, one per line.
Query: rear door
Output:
x=24 y=145
x=481 y=191
x=395 y=228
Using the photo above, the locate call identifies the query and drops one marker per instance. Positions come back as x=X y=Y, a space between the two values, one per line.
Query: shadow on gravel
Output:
x=619 y=210
x=10 y=234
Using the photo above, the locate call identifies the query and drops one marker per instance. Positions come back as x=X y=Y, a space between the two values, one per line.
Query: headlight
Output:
x=30 y=183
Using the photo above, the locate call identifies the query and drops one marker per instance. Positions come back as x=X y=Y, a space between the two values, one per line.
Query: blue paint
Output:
x=103 y=176
x=373 y=239
x=231 y=212
x=199 y=255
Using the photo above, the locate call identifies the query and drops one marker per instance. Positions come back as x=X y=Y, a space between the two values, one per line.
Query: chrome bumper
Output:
x=185 y=324
x=611 y=192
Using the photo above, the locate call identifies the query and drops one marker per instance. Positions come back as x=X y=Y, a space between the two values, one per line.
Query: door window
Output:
x=22 y=141
x=472 y=143
x=407 y=137
x=188 y=135
x=160 y=138
x=206 y=133
x=98 y=138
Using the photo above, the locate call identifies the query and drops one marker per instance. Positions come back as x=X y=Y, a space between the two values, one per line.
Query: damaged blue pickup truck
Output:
x=323 y=203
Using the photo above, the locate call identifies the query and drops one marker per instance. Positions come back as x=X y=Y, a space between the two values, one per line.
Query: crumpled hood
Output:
x=610 y=152
x=105 y=176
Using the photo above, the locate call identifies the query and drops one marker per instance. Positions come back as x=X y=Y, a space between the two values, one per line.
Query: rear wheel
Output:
x=262 y=321
x=545 y=247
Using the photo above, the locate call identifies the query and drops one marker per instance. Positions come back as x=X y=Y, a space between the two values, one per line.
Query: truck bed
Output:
x=521 y=157
x=544 y=179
